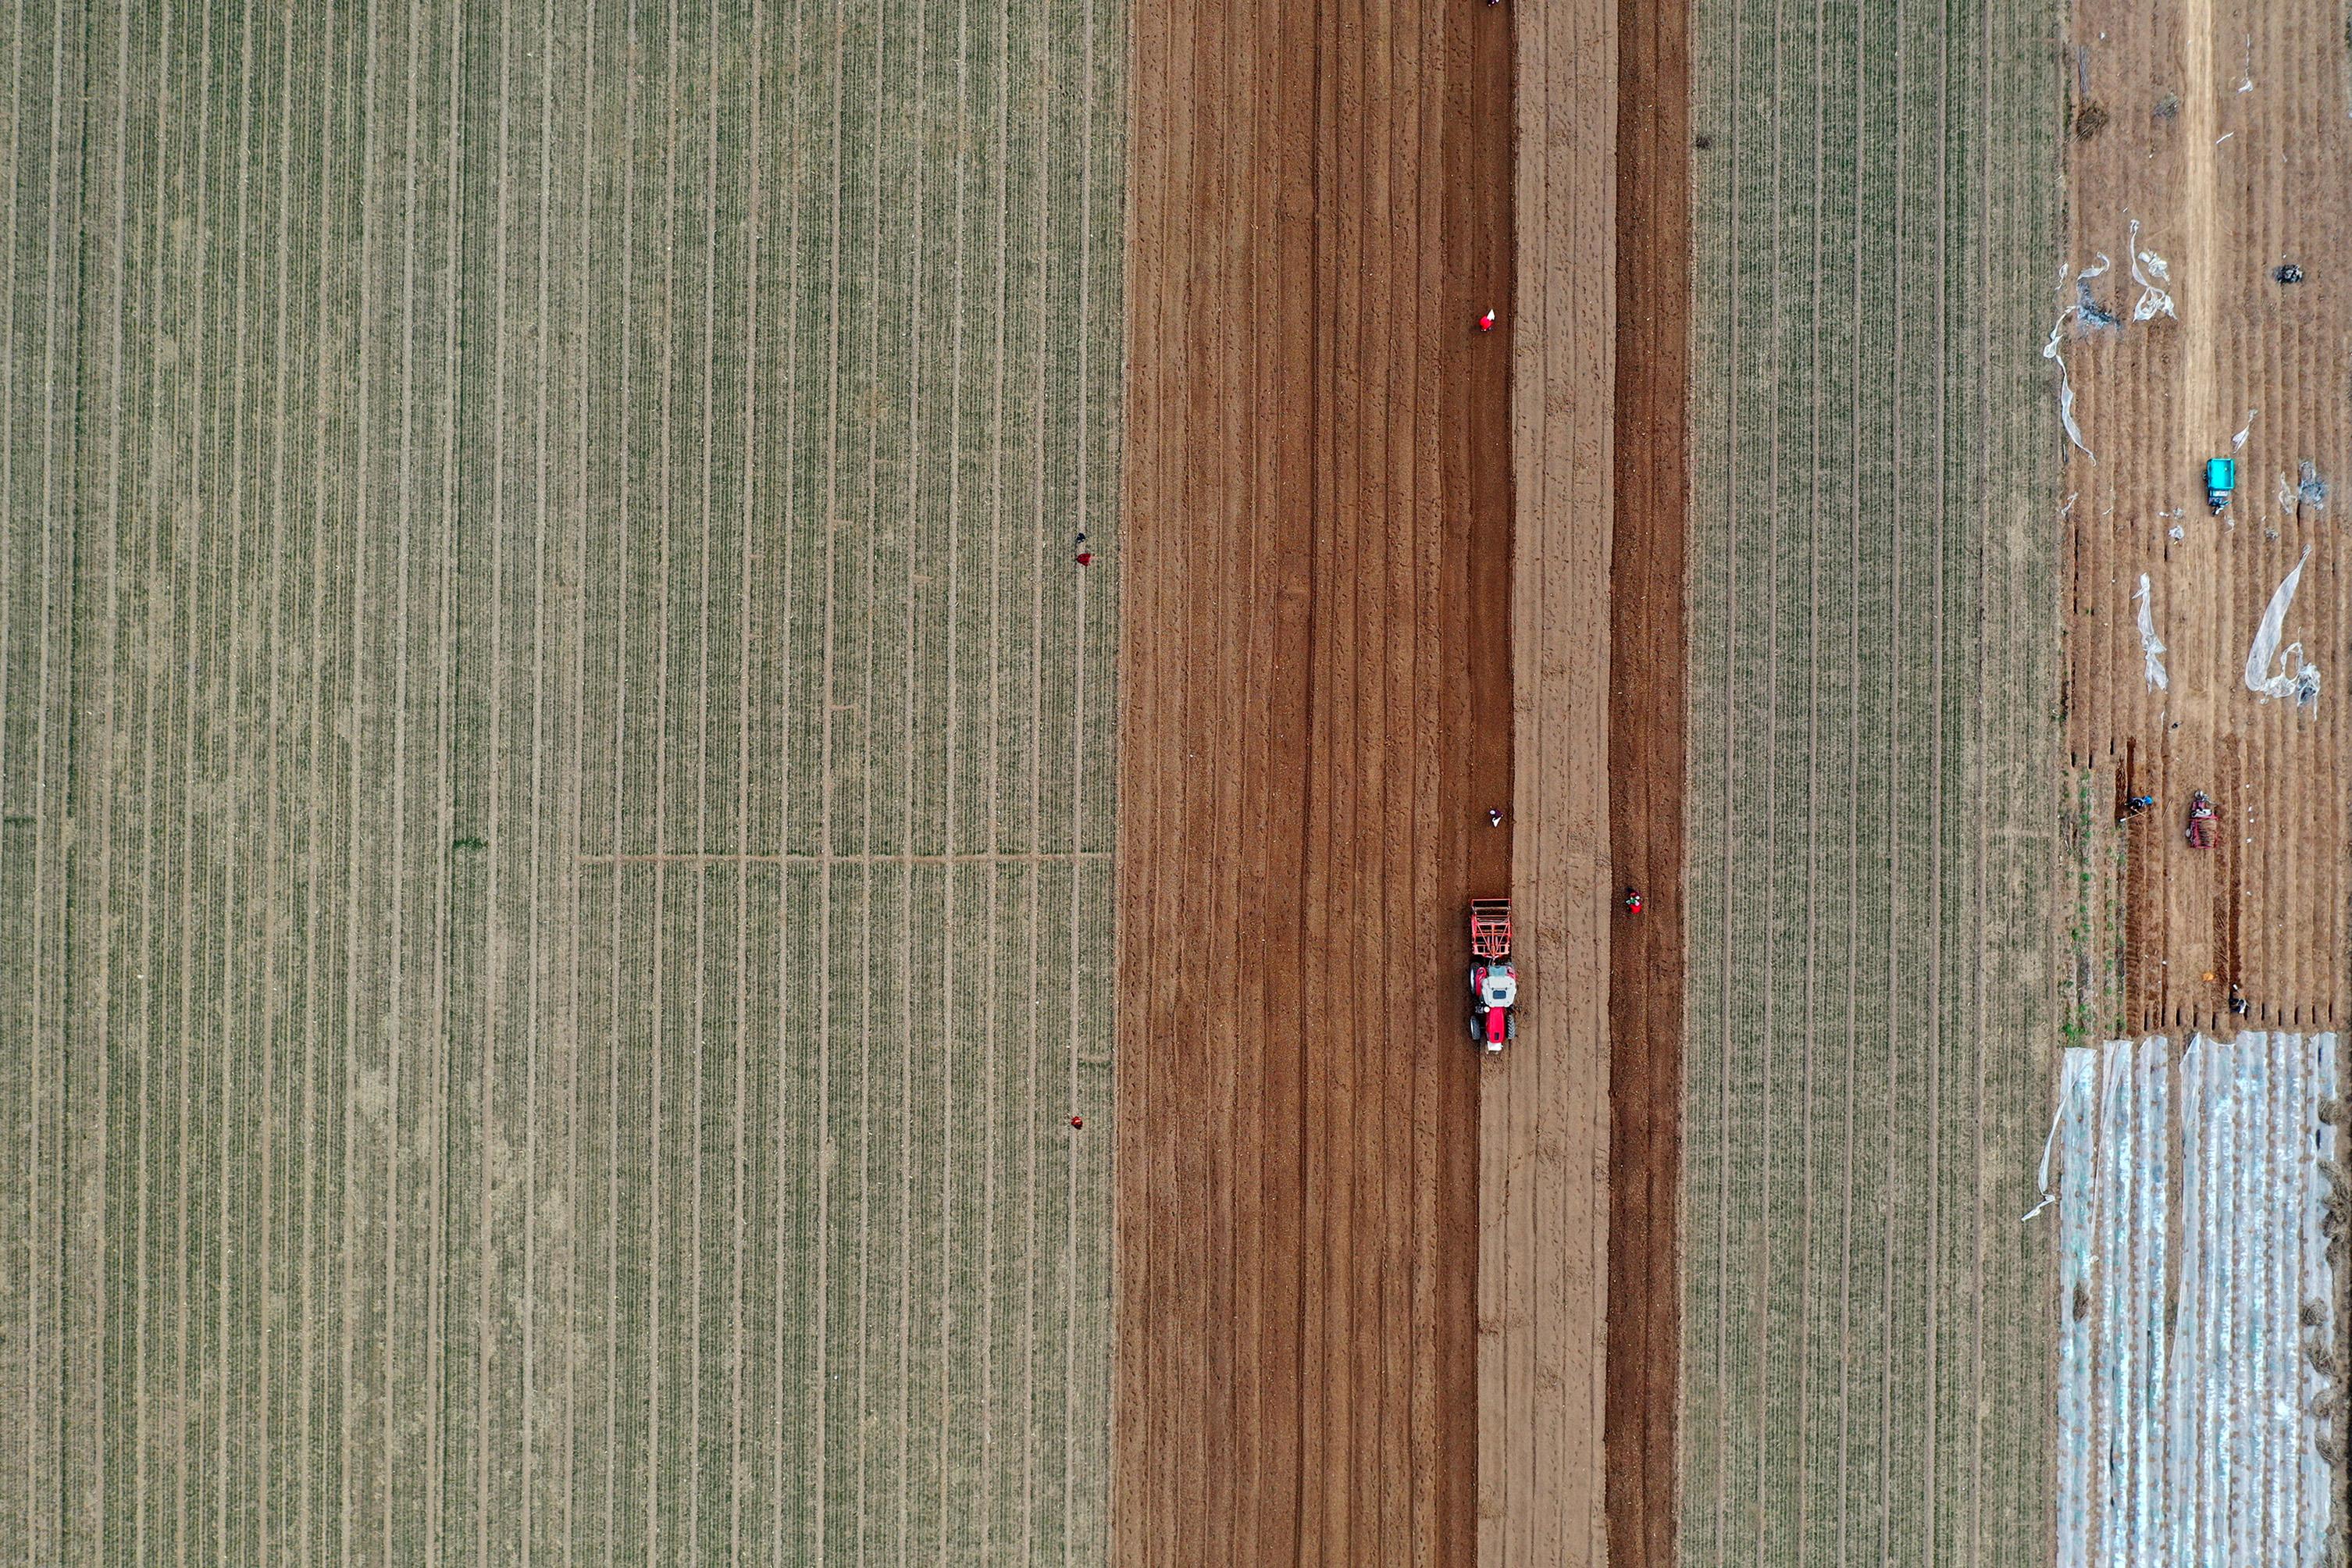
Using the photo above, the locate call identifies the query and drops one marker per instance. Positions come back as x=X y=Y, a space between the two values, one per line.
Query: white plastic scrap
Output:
x=2151 y=646
x=2050 y=351
x=2149 y=271
x=2295 y=677
x=2238 y=441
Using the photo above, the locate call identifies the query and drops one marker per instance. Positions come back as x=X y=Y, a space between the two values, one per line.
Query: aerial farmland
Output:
x=558 y=771
x=1402 y=781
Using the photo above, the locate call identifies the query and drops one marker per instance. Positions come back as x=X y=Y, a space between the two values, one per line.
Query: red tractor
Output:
x=1493 y=984
x=2200 y=822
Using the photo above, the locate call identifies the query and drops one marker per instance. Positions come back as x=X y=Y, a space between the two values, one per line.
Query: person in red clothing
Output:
x=1633 y=902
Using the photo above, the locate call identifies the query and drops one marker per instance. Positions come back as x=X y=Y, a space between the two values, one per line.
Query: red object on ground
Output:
x=1086 y=557
x=1078 y=1121
x=1486 y=322
x=1632 y=904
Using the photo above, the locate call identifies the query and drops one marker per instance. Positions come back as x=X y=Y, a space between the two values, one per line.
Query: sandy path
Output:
x=1316 y=716
x=2222 y=124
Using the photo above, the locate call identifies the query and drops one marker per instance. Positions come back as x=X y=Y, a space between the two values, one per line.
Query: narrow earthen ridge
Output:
x=1646 y=743
x=1543 y=1198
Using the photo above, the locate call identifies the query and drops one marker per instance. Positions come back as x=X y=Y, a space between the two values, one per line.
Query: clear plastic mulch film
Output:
x=2190 y=1410
x=2295 y=676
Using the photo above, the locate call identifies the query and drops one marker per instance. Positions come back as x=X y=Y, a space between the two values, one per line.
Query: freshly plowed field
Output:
x=1317 y=697
x=1866 y=1328
x=2210 y=149
x=555 y=787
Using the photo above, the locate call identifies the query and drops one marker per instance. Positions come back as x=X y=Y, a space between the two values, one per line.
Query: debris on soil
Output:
x=2310 y=488
x=2151 y=645
x=2178 y=533
x=1702 y=143
x=2089 y=121
x=2295 y=677
x=2169 y=106
x=2238 y=441
x=2151 y=272
x=2087 y=310
x=2288 y=273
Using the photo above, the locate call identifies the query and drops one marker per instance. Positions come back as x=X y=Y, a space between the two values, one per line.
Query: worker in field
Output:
x=2135 y=805
x=1494 y=816
x=1633 y=900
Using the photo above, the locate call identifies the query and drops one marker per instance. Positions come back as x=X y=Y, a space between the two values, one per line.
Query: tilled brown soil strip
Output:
x=1315 y=560
x=1647 y=744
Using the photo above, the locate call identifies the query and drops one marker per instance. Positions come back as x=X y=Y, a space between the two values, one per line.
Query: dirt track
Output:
x=2220 y=126
x=1316 y=684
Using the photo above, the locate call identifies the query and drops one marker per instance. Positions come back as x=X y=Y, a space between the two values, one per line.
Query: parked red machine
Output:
x=1494 y=983
x=2200 y=822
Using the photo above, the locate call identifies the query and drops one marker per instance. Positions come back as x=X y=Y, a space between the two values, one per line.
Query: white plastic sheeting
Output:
x=2151 y=646
x=2195 y=1444
x=2295 y=677
x=2154 y=277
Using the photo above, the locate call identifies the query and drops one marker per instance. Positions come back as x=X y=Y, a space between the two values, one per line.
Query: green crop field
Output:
x=1873 y=1013
x=556 y=769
